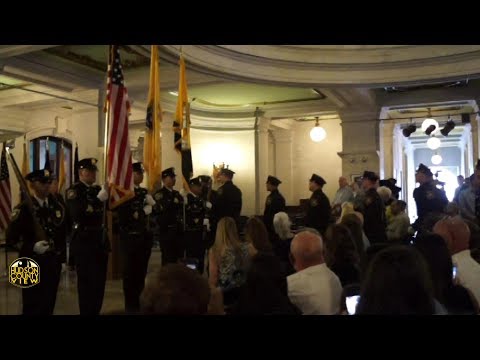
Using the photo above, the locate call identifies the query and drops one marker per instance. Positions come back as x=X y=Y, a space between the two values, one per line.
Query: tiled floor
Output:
x=67 y=298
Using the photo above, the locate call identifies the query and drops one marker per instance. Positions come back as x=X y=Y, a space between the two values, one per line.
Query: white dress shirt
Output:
x=468 y=272
x=315 y=290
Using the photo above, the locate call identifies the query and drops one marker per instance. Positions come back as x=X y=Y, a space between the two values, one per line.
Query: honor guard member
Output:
x=196 y=224
x=48 y=252
x=228 y=200
x=275 y=203
x=429 y=199
x=135 y=240
x=169 y=214
x=90 y=246
x=209 y=196
x=318 y=210
x=373 y=209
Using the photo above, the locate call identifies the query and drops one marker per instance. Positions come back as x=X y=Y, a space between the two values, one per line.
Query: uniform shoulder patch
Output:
x=313 y=202
x=71 y=194
x=269 y=200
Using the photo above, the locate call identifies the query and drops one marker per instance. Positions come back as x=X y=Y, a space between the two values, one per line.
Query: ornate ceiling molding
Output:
x=333 y=65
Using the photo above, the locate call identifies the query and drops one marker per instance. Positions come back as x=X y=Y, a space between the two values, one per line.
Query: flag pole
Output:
x=106 y=109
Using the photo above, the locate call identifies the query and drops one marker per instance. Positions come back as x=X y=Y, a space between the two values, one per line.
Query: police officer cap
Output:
x=423 y=169
x=138 y=167
x=273 y=181
x=88 y=163
x=227 y=172
x=44 y=176
x=168 y=172
x=318 y=179
x=195 y=181
x=204 y=178
x=370 y=175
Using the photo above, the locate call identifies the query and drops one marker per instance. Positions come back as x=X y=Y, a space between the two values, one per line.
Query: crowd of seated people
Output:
x=305 y=272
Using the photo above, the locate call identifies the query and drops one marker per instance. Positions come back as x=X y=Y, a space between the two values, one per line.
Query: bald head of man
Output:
x=342 y=181
x=306 y=250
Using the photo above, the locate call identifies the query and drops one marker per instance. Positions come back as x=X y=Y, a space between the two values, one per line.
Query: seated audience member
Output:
x=228 y=260
x=282 y=240
x=341 y=255
x=457 y=236
x=355 y=225
x=314 y=288
x=455 y=298
x=397 y=282
x=175 y=290
x=368 y=257
x=397 y=228
x=256 y=234
x=265 y=290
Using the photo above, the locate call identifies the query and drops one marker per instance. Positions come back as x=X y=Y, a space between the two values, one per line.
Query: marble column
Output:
x=360 y=141
x=261 y=163
x=284 y=163
x=386 y=149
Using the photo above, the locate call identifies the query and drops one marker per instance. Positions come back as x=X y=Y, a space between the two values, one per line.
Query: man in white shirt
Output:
x=314 y=289
x=343 y=194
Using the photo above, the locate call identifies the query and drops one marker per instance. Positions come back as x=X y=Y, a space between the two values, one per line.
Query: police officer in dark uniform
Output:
x=430 y=200
x=373 y=210
x=275 y=203
x=228 y=199
x=90 y=246
x=169 y=216
x=48 y=252
x=196 y=224
x=319 y=210
x=135 y=240
x=209 y=196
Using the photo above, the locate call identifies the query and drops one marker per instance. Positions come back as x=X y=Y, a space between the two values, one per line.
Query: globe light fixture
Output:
x=318 y=133
x=433 y=143
x=429 y=121
x=436 y=159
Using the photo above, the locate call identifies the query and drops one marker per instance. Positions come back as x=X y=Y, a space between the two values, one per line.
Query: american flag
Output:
x=119 y=159
x=5 y=193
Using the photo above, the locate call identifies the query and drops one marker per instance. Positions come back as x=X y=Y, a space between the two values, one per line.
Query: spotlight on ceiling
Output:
x=430 y=129
x=449 y=126
x=409 y=130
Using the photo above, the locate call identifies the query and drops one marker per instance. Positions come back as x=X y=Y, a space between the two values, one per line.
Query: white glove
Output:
x=40 y=247
x=102 y=195
x=206 y=222
x=147 y=209
x=208 y=204
x=149 y=200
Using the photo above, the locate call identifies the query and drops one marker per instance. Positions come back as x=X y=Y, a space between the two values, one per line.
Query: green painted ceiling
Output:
x=244 y=94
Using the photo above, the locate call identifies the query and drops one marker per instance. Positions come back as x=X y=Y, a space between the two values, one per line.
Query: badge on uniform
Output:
x=58 y=214
x=89 y=209
x=15 y=213
x=314 y=202
x=158 y=196
x=368 y=200
x=269 y=201
x=135 y=215
x=196 y=221
x=71 y=194
x=175 y=200
x=220 y=191
x=430 y=195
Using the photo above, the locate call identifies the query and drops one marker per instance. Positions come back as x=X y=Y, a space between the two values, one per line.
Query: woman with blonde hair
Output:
x=228 y=260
